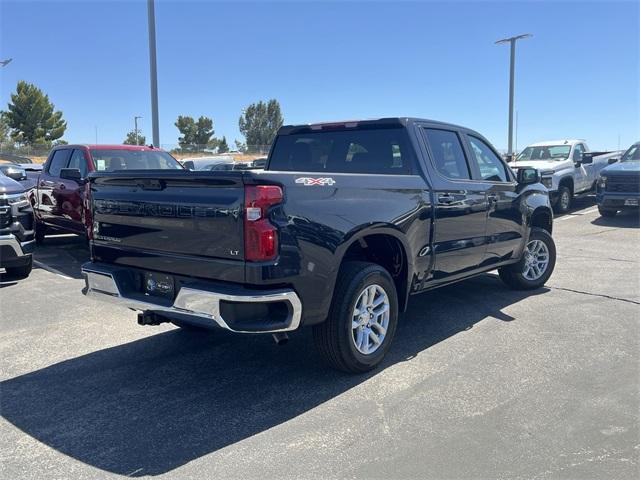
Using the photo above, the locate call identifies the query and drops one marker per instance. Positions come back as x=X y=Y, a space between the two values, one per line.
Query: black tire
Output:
x=513 y=275
x=607 y=212
x=41 y=231
x=564 y=200
x=334 y=337
x=23 y=271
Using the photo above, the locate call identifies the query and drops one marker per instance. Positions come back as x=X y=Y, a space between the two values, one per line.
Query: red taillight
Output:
x=260 y=236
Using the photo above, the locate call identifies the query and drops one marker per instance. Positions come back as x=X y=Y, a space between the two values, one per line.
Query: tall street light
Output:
x=512 y=41
x=153 y=69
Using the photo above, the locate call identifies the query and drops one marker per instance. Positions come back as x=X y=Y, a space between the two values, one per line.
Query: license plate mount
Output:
x=159 y=285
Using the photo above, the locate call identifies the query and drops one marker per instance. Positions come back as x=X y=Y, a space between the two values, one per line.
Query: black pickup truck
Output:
x=346 y=221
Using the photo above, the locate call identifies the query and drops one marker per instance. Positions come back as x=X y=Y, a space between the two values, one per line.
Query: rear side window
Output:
x=384 y=151
x=448 y=155
x=58 y=162
x=117 y=159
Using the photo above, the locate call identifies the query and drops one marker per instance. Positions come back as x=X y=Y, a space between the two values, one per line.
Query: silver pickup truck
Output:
x=567 y=167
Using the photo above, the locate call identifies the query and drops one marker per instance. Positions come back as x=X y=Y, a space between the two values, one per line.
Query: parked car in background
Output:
x=259 y=163
x=58 y=198
x=619 y=184
x=16 y=229
x=206 y=163
x=567 y=168
x=345 y=222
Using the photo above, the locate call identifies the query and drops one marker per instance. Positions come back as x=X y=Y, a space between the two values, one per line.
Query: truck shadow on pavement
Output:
x=629 y=219
x=63 y=254
x=152 y=405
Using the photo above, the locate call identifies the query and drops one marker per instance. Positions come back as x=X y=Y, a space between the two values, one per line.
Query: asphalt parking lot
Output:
x=481 y=382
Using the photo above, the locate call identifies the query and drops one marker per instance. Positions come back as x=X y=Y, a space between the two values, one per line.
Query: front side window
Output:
x=58 y=162
x=373 y=151
x=118 y=159
x=448 y=155
x=78 y=161
x=633 y=154
x=490 y=166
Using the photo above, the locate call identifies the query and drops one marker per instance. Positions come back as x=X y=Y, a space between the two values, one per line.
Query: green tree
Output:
x=241 y=147
x=223 y=147
x=4 y=130
x=195 y=134
x=131 y=138
x=32 y=118
x=259 y=124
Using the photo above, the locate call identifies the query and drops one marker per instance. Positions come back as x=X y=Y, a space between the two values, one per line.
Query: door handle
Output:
x=61 y=186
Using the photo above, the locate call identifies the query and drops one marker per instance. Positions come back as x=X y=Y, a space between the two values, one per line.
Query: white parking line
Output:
x=577 y=214
x=46 y=267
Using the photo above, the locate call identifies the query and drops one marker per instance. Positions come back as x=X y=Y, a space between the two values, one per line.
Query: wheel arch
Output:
x=542 y=217
x=387 y=247
x=567 y=181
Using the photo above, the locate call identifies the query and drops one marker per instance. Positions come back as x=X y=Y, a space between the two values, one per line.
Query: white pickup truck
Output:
x=567 y=168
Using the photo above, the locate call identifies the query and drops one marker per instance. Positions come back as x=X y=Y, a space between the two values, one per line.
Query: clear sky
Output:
x=577 y=77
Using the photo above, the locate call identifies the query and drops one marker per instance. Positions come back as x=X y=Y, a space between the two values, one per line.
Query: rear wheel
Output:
x=565 y=196
x=536 y=265
x=362 y=321
x=22 y=271
x=607 y=212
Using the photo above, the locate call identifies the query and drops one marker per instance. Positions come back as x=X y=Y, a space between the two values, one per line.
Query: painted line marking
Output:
x=49 y=269
x=577 y=214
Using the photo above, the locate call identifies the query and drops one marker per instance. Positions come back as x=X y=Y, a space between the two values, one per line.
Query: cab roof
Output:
x=366 y=123
x=565 y=141
x=137 y=148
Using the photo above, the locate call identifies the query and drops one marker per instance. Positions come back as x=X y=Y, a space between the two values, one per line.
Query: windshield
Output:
x=545 y=152
x=113 y=160
x=633 y=154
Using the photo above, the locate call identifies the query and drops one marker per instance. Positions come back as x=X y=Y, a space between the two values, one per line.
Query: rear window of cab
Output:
x=384 y=151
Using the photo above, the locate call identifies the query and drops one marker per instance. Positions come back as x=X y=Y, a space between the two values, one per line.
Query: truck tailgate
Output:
x=173 y=221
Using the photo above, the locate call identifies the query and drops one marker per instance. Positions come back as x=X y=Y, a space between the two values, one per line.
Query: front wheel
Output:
x=607 y=212
x=362 y=320
x=563 y=202
x=536 y=265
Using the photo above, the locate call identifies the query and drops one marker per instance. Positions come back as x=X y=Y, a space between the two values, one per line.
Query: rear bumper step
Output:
x=235 y=309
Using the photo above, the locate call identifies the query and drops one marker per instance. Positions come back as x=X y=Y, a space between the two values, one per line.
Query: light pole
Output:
x=512 y=41
x=135 y=122
x=153 y=70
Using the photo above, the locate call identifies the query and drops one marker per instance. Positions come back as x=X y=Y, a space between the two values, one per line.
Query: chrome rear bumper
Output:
x=203 y=304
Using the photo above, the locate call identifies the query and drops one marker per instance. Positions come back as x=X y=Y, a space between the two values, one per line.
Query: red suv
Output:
x=58 y=196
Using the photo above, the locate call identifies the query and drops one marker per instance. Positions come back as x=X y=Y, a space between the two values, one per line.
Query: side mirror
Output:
x=189 y=165
x=71 y=174
x=527 y=176
x=613 y=160
x=587 y=159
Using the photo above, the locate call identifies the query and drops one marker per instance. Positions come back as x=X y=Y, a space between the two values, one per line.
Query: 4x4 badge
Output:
x=308 y=181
